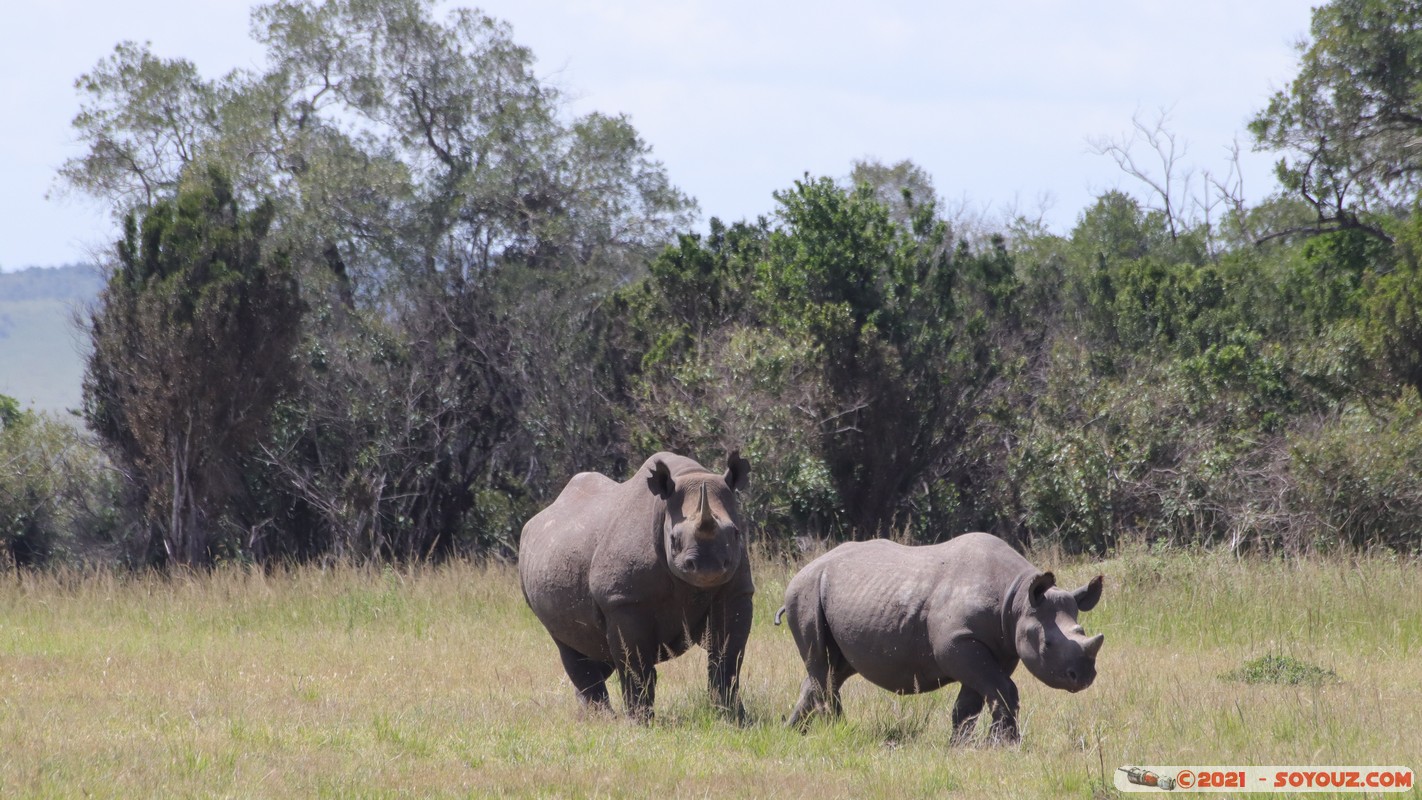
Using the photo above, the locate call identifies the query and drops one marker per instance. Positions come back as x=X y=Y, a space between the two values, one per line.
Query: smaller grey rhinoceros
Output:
x=912 y=619
x=626 y=575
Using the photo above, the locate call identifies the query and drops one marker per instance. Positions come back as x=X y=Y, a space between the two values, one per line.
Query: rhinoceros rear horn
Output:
x=660 y=481
x=737 y=471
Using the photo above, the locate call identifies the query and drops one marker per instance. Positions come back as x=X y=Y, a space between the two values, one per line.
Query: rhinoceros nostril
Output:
x=1071 y=674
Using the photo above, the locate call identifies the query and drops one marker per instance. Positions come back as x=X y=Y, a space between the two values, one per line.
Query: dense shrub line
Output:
x=912 y=386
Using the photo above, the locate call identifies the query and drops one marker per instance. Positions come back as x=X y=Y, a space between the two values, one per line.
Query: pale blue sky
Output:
x=739 y=99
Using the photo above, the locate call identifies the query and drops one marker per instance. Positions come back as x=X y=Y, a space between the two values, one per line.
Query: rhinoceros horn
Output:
x=1093 y=645
x=705 y=520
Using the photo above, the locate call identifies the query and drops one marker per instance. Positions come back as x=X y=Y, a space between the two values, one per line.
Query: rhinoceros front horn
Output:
x=705 y=520
x=1093 y=645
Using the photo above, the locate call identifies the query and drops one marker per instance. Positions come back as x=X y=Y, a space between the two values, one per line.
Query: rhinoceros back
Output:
x=888 y=606
x=875 y=597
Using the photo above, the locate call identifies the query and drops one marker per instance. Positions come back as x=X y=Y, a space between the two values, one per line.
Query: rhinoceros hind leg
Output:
x=805 y=707
x=589 y=677
x=827 y=671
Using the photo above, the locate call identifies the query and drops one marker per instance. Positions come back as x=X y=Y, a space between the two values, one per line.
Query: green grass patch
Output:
x=1281 y=669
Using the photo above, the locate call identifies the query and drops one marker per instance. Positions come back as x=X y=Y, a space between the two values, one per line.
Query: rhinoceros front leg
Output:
x=632 y=638
x=727 y=631
x=1004 y=713
x=983 y=680
x=965 y=712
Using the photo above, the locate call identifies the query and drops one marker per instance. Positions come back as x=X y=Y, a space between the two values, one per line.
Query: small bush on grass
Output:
x=1281 y=669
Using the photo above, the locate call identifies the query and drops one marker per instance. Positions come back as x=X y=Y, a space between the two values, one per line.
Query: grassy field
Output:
x=439 y=682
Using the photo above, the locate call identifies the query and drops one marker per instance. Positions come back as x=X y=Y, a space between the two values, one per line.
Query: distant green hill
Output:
x=41 y=349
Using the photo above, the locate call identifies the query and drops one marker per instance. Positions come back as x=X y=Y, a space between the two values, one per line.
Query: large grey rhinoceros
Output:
x=625 y=575
x=912 y=619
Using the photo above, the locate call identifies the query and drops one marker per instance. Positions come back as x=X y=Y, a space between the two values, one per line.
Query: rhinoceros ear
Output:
x=737 y=471
x=1087 y=595
x=660 y=481
x=1037 y=592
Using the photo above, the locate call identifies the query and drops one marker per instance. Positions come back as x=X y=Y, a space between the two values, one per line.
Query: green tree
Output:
x=144 y=119
x=1394 y=313
x=443 y=207
x=1347 y=123
x=852 y=353
x=406 y=143
x=707 y=372
x=1114 y=232
x=192 y=344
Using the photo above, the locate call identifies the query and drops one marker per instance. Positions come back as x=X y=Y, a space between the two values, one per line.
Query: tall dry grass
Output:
x=439 y=682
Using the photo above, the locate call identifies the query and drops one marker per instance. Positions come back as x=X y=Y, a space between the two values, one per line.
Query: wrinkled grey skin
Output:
x=912 y=619
x=626 y=575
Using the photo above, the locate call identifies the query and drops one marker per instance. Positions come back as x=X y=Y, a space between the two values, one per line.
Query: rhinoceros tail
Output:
x=779 y=614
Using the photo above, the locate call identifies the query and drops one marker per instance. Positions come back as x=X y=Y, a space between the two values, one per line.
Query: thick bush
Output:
x=57 y=492
x=1357 y=475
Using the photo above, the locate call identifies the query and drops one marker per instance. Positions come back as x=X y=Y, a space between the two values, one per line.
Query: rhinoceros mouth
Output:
x=705 y=579
x=1076 y=684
